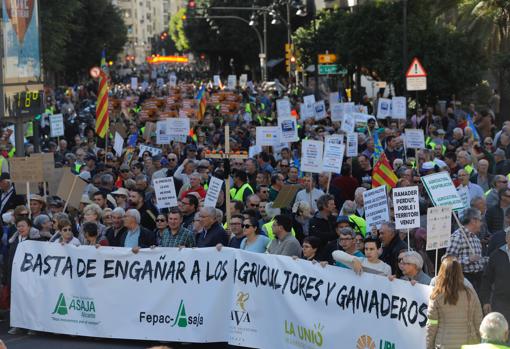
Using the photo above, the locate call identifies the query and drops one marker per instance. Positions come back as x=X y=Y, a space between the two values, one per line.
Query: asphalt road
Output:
x=52 y=341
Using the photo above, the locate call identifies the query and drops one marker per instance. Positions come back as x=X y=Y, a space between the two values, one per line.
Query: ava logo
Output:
x=366 y=342
x=302 y=336
x=241 y=315
x=83 y=306
x=182 y=320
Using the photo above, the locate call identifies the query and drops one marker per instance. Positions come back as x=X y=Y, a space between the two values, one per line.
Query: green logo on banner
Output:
x=180 y=318
x=60 y=307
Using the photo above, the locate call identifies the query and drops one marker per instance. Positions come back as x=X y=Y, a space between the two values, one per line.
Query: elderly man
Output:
x=498 y=182
x=496 y=214
x=468 y=190
x=482 y=177
x=176 y=235
x=116 y=231
x=310 y=194
x=212 y=233
x=285 y=244
x=467 y=248
x=350 y=208
x=195 y=186
x=502 y=163
x=495 y=290
x=136 y=236
x=465 y=162
x=322 y=224
x=493 y=332
x=392 y=245
x=412 y=265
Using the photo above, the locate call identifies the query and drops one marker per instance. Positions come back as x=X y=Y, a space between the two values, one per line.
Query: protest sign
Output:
x=334 y=138
x=414 y=138
x=145 y=85
x=320 y=110
x=213 y=192
x=164 y=188
x=376 y=207
x=134 y=83
x=347 y=123
x=337 y=112
x=172 y=80
x=216 y=80
x=334 y=98
x=27 y=169
x=439 y=227
x=283 y=108
x=178 y=127
x=152 y=150
x=307 y=111
x=258 y=300
x=243 y=80
x=311 y=156
x=54 y=180
x=160 y=82
x=56 y=125
x=383 y=108
x=48 y=163
x=407 y=207
x=118 y=144
x=441 y=190
x=398 y=108
x=231 y=82
x=162 y=132
x=71 y=188
x=352 y=144
x=120 y=128
x=333 y=157
x=349 y=107
x=254 y=150
x=286 y=195
x=287 y=126
x=267 y=135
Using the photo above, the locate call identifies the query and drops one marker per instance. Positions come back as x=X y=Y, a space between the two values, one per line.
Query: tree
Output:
x=176 y=30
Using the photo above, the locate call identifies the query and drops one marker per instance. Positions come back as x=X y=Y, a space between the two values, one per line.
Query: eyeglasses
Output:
x=247 y=226
x=171 y=159
x=124 y=171
x=284 y=165
x=505 y=182
x=160 y=220
x=401 y=260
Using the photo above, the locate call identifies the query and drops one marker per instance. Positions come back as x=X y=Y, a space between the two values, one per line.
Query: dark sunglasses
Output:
x=247 y=226
x=170 y=159
x=124 y=171
x=160 y=220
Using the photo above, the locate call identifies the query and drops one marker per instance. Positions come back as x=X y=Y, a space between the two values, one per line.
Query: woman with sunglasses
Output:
x=65 y=232
x=253 y=241
x=161 y=227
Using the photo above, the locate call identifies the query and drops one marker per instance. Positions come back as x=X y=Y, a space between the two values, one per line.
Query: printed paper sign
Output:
x=162 y=132
x=337 y=112
x=347 y=124
x=164 y=188
x=307 y=111
x=254 y=150
x=213 y=192
x=178 y=127
x=384 y=108
x=283 y=108
x=288 y=129
x=333 y=157
x=352 y=144
x=398 y=108
x=267 y=135
x=232 y=82
x=414 y=138
x=320 y=110
x=216 y=80
x=334 y=98
x=172 y=80
x=56 y=125
x=154 y=151
x=376 y=207
x=407 y=207
x=334 y=138
x=134 y=83
x=243 y=80
x=118 y=144
x=441 y=191
x=439 y=227
x=311 y=156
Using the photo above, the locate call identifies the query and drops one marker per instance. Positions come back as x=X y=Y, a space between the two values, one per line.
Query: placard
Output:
x=287 y=127
x=213 y=192
x=414 y=138
x=164 y=188
x=216 y=80
x=231 y=82
x=337 y=112
x=334 y=138
x=178 y=126
x=154 y=151
x=286 y=195
x=320 y=110
x=26 y=169
x=352 y=144
x=243 y=80
x=334 y=98
x=311 y=156
x=71 y=188
x=333 y=157
x=118 y=144
x=162 y=132
x=267 y=135
x=307 y=111
x=134 y=83
x=56 y=125
x=283 y=108
x=376 y=207
x=383 y=108
x=406 y=206
x=439 y=227
x=172 y=80
x=398 y=108
x=441 y=190
x=347 y=123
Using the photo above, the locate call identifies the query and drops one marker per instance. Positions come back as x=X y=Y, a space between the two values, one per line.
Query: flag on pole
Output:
x=383 y=174
x=378 y=148
x=202 y=102
x=102 y=119
x=472 y=126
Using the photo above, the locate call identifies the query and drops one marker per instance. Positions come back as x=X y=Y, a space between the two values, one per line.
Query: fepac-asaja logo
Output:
x=181 y=319
x=241 y=315
x=366 y=342
x=83 y=306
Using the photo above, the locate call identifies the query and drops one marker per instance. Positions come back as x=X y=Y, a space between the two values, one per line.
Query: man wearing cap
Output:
x=37 y=205
x=55 y=205
x=190 y=152
x=8 y=198
x=121 y=197
x=90 y=164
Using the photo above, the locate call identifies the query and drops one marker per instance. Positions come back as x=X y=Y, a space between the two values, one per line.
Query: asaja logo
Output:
x=366 y=342
x=241 y=315
x=182 y=320
x=302 y=336
x=82 y=305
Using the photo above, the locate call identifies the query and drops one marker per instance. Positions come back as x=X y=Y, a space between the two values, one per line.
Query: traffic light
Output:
x=289 y=54
x=293 y=63
x=191 y=9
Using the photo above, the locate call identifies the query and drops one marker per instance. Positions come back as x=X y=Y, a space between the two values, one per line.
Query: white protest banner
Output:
x=407 y=207
x=243 y=80
x=352 y=144
x=145 y=85
x=398 y=108
x=337 y=112
x=154 y=151
x=333 y=157
x=179 y=127
x=162 y=132
x=164 y=188
x=309 y=100
x=311 y=156
x=334 y=98
x=134 y=83
x=439 y=227
x=383 y=108
x=118 y=144
x=376 y=207
x=231 y=82
x=213 y=192
x=334 y=138
x=216 y=80
x=258 y=302
x=283 y=108
x=349 y=107
x=56 y=125
x=267 y=135
x=347 y=123
x=464 y=195
x=172 y=80
x=320 y=110
x=414 y=138
x=287 y=127
x=306 y=111
x=441 y=190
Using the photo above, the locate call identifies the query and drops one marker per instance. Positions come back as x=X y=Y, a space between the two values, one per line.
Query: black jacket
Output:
x=115 y=240
x=495 y=218
x=148 y=216
x=496 y=241
x=215 y=235
x=146 y=239
x=12 y=202
x=390 y=253
x=497 y=273
x=324 y=229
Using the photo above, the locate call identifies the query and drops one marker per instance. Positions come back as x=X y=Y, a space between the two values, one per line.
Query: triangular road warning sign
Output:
x=416 y=69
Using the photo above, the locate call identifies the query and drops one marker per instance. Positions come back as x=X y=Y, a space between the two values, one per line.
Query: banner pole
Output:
x=329 y=183
x=70 y=192
x=408 y=239
x=28 y=200
x=435 y=265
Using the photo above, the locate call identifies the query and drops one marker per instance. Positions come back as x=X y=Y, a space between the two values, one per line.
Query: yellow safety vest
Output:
x=269 y=230
x=485 y=346
x=238 y=194
x=361 y=224
x=469 y=169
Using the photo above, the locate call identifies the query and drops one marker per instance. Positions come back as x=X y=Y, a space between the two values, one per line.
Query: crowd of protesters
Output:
x=323 y=223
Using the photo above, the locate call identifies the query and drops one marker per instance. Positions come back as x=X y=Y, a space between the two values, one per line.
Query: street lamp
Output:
x=253 y=20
